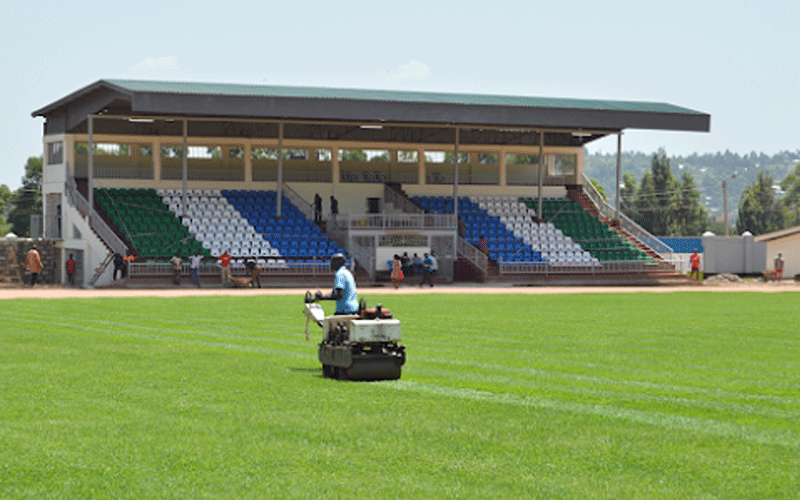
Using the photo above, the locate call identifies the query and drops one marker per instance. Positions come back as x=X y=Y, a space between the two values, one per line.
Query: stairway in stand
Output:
x=398 y=188
x=576 y=194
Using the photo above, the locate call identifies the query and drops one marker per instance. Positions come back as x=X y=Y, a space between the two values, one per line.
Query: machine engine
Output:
x=362 y=346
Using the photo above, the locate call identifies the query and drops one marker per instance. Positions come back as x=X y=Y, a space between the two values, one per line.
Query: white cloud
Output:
x=157 y=64
x=411 y=70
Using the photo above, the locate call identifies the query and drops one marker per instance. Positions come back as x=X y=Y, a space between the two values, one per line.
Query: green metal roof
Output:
x=223 y=89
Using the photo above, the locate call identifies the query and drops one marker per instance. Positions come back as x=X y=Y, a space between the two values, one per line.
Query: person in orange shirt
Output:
x=33 y=261
x=778 y=267
x=128 y=261
x=224 y=266
x=695 y=261
x=71 y=270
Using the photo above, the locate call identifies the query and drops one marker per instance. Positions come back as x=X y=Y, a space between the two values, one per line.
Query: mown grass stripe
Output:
x=698 y=425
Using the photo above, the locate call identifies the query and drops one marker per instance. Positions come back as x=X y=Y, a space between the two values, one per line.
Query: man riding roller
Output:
x=344 y=288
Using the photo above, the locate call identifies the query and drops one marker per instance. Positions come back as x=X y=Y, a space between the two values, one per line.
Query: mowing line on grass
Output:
x=88 y=328
x=607 y=394
x=699 y=425
x=597 y=380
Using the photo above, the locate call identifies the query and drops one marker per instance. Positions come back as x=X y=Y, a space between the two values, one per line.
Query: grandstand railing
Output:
x=106 y=234
x=400 y=202
x=364 y=255
x=310 y=268
x=627 y=224
x=305 y=207
x=393 y=221
x=472 y=254
x=606 y=267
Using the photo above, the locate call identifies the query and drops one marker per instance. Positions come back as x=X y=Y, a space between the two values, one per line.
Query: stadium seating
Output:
x=503 y=245
x=602 y=242
x=214 y=221
x=145 y=224
x=293 y=236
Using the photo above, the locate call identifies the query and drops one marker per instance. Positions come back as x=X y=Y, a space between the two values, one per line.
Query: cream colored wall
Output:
x=790 y=248
x=351 y=196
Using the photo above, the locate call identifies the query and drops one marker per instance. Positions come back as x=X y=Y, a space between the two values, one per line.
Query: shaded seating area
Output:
x=503 y=245
x=157 y=226
x=293 y=236
x=145 y=224
x=217 y=225
x=544 y=237
x=602 y=242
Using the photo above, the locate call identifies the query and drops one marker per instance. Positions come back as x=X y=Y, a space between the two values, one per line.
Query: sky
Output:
x=737 y=61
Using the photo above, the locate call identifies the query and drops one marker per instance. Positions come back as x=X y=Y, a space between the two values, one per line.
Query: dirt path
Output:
x=53 y=292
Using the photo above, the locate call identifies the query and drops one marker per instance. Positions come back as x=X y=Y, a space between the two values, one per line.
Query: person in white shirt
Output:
x=194 y=268
x=434 y=264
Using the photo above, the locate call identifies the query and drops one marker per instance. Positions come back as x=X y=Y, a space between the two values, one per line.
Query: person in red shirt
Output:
x=695 y=261
x=71 y=270
x=483 y=246
x=225 y=270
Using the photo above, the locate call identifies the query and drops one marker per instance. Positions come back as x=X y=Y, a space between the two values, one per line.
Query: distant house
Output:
x=786 y=242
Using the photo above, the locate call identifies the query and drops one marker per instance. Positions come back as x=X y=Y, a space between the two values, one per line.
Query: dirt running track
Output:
x=53 y=292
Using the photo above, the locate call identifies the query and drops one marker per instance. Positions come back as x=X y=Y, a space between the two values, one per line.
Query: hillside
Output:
x=707 y=169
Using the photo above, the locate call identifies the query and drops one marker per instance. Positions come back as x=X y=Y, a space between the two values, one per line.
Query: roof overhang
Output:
x=403 y=116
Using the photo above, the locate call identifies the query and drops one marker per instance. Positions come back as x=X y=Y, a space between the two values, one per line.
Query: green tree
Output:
x=352 y=155
x=27 y=200
x=628 y=194
x=791 y=198
x=666 y=200
x=6 y=199
x=644 y=203
x=759 y=211
x=692 y=216
x=599 y=188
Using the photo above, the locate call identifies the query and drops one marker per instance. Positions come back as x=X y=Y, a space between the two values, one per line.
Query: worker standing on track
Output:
x=224 y=267
x=694 y=259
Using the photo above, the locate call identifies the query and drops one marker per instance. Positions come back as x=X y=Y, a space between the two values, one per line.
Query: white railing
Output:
x=606 y=267
x=393 y=221
x=472 y=254
x=305 y=207
x=632 y=228
x=365 y=256
x=310 y=268
x=400 y=202
x=76 y=199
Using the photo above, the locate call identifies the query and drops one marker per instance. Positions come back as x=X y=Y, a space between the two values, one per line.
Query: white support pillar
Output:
x=501 y=166
x=90 y=166
x=185 y=166
x=156 y=155
x=455 y=176
x=619 y=173
x=335 y=172
x=455 y=197
x=279 y=189
x=248 y=162
x=422 y=172
x=541 y=174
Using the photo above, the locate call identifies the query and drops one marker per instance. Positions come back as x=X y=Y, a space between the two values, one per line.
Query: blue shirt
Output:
x=343 y=279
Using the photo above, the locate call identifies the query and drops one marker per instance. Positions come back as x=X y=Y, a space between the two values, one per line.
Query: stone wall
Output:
x=12 y=260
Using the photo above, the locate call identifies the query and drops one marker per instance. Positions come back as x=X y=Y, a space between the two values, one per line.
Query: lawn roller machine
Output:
x=362 y=346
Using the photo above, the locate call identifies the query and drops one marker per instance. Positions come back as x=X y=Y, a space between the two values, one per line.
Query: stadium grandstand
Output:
x=288 y=176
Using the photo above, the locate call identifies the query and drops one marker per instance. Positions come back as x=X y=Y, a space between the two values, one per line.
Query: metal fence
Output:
x=400 y=202
x=605 y=267
x=632 y=228
x=393 y=221
x=76 y=199
x=472 y=254
x=305 y=207
x=279 y=267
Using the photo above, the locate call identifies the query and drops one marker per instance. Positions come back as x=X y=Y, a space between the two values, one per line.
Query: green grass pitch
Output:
x=618 y=396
